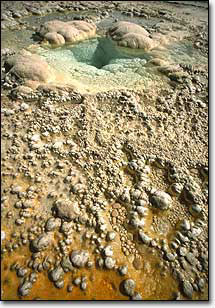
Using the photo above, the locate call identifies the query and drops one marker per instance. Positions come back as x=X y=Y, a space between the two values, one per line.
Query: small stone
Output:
x=161 y=200
x=59 y=284
x=79 y=258
x=144 y=238
x=69 y=288
x=170 y=257
x=111 y=235
x=77 y=281
x=123 y=269
x=83 y=286
x=114 y=213
x=136 y=297
x=187 y=289
x=57 y=273
x=109 y=263
x=182 y=251
x=128 y=286
x=107 y=251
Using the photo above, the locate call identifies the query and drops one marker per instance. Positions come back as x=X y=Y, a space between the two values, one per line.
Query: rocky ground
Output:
x=105 y=195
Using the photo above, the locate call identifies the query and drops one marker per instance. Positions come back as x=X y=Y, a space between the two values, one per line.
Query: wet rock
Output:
x=79 y=258
x=161 y=200
x=41 y=242
x=109 y=263
x=128 y=286
x=24 y=288
x=144 y=238
x=187 y=288
x=67 y=209
x=57 y=273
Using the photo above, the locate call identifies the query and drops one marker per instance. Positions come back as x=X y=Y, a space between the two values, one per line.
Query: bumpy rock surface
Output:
x=57 y=32
x=161 y=200
x=130 y=35
x=41 y=242
x=79 y=258
x=66 y=209
x=30 y=67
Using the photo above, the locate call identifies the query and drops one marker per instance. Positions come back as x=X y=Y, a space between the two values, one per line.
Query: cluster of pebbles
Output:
x=92 y=183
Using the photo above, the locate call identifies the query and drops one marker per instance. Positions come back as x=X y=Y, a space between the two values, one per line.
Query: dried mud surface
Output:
x=104 y=195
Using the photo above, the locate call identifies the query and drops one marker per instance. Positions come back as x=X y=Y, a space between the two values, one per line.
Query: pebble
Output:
x=111 y=235
x=128 y=286
x=144 y=238
x=79 y=258
x=182 y=251
x=109 y=263
x=57 y=273
x=59 y=284
x=83 y=286
x=161 y=200
x=77 y=281
x=41 y=242
x=136 y=297
x=187 y=288
x=69 y=288
x=123 y=270
x=24 y=288
x=107 y=251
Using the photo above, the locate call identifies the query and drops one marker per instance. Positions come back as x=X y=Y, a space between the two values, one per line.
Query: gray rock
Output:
x=170 y=257
x=21 y=272
x=25 y=288
x=66 y=264
x=79 y=258
x=161 y=200
x=52 y=224
x=107 y=251
x=144 y=238
x=185 y=225
x=123 y=269
x=77 y=281
x=111 y=235
x=187 y=288
x=41 y=242
x=191 y=258
x=83 y=286
x=128 y=286
x=182 y=251
x=67 y=209
x=59 y=284
x=136 y=297
x=109 y=263
x=57 y=273
x=142 y=211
